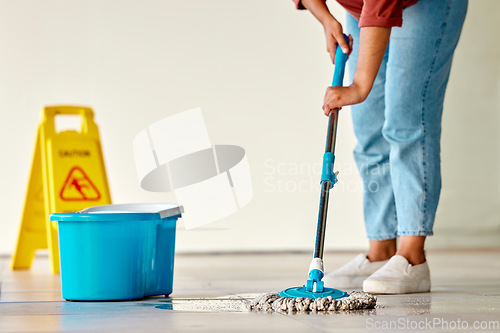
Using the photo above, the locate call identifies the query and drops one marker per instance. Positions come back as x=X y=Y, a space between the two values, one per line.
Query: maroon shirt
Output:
x=370 y=13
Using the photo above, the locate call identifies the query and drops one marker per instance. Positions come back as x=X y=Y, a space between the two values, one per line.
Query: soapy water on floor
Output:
x=205 y=305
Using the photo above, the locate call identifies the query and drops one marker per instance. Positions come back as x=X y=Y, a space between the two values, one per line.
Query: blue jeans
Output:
x=398 y=127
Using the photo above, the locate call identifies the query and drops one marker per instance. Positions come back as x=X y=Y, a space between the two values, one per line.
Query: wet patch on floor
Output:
x=204 y=305
x=231 y=303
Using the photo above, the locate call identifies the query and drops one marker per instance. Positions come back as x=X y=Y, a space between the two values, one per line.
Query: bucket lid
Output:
x=140 y=211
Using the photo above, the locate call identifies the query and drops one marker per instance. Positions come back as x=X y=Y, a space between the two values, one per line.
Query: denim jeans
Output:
x=398 y=127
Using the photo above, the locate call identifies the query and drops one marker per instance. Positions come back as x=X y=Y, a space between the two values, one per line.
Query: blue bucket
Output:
x=117 y=252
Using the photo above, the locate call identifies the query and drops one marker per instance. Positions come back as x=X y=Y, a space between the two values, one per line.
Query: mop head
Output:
x=356 y=300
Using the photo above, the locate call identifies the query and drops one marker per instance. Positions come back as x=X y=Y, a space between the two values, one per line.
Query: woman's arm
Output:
x=373 y=43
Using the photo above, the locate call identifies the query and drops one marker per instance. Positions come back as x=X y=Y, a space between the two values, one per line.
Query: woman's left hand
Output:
x=337 y=97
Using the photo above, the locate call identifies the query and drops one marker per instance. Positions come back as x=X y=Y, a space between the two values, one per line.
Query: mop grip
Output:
x=340 y=61
x=327 y=173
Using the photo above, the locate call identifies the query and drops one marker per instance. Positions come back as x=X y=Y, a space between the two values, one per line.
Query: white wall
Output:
x=469 y=211
x=258 y=70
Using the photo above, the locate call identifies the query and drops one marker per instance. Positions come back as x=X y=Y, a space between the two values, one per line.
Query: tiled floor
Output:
x=211 y=293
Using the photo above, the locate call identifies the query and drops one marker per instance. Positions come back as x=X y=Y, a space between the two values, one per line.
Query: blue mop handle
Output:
x=340 y=61
x=328 y=179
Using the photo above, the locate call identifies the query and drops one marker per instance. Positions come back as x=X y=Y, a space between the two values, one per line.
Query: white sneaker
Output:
x=398 y=276
x=352 y=274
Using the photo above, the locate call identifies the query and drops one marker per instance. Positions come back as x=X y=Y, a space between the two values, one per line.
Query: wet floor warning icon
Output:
x=78 y=186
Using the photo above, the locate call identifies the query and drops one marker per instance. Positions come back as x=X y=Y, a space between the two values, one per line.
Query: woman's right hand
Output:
x=334 y=34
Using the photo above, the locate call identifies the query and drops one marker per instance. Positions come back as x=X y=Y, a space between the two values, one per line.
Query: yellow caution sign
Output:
x=67 y=175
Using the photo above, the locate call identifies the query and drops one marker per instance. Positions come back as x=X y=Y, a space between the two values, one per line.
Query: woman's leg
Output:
x=372 y=158
x=381 y=249
x=412 y=248
x=420 y=58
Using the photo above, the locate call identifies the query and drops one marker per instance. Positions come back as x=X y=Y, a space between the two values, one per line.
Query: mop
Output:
x=314 y=296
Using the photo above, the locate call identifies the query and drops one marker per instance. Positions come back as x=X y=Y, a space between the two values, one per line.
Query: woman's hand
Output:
x=335 y=35
x=373 y=43
x=333 y=29
x=337 y=97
